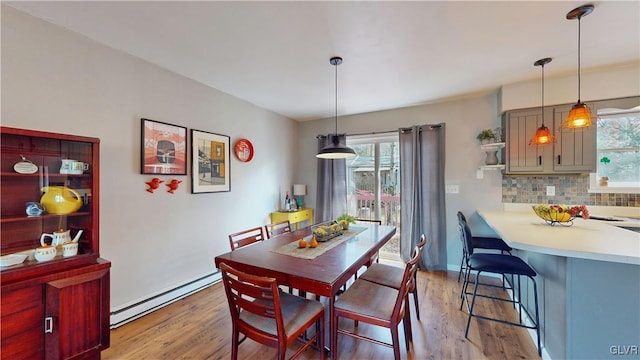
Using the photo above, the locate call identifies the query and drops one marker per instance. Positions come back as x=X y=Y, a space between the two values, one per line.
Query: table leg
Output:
x=332 y=326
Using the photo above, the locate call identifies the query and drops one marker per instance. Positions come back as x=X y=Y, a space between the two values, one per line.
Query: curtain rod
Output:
x=436 y=126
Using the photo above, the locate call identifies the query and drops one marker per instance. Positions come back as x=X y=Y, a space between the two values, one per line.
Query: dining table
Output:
x=321 y=271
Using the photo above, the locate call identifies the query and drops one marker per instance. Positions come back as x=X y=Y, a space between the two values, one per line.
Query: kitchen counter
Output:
x=588 y=279
x=586 y=239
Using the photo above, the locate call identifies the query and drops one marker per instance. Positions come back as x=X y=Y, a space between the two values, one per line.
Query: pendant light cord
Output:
x=580 y=17
x=336 y=82
x=542 y=95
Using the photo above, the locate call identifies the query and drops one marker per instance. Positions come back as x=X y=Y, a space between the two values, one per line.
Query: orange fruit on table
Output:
x=313 y=242
x=302 y=243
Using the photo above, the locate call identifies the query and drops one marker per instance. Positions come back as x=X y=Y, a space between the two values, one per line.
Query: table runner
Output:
x=292 y=248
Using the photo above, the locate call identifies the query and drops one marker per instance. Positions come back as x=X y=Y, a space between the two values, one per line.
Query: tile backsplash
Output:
x=570 y=189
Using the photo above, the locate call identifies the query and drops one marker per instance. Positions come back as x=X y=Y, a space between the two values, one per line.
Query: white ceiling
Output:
x=276 y=54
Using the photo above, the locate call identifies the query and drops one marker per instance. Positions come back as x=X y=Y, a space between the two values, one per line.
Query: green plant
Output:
x=487 y=134
x=605 y=161
x=348 y=218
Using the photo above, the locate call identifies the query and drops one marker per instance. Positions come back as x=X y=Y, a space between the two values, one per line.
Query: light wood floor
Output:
x=199 y=327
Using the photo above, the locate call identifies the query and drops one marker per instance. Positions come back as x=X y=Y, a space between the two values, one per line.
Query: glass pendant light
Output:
x=335 y=150
x=543 y=135
x=580 y=115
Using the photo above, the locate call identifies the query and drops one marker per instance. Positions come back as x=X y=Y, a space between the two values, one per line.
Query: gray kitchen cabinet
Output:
x=574 y=150
x=520 y=126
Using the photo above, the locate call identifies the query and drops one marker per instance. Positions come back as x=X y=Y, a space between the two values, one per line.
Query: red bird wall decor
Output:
x=173 y=185
x=153 y=184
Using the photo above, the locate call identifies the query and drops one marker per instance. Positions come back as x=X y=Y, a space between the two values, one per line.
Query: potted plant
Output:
x=346 y=219
x=486 y=136
x=604 y=180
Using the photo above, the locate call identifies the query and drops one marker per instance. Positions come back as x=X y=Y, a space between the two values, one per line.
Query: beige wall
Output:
x=55 y=80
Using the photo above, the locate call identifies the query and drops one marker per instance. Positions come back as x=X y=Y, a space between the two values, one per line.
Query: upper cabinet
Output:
x=574 y=150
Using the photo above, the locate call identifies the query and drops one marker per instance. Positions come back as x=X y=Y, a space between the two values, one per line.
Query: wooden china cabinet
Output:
x=56 y=309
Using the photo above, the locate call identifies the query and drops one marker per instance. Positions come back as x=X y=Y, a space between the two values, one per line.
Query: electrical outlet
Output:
x=551 y=191
x=452 y=189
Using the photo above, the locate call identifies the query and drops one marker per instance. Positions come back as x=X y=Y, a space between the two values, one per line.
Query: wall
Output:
x=55 y=80
x=597 y=84
x=463 y=120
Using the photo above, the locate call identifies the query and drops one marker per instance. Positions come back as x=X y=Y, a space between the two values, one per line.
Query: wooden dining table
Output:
x=324 y=275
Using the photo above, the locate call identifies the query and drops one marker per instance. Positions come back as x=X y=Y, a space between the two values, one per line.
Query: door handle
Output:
x=539 y=159
x=48 y=325
x=558 y=159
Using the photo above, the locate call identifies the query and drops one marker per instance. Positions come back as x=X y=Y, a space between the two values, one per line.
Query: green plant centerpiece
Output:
x=486 y=136
x=346 y=219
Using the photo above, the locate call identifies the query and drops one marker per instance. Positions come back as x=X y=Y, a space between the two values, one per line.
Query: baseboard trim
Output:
x=137 y=309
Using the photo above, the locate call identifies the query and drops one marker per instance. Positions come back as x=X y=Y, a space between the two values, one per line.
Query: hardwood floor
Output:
x=199 y=327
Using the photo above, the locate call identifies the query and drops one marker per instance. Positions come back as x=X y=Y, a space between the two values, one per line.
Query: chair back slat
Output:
x=379 y=222
x=254 y=294
x=465 y=233
x=277 y=228
x=246 y=237
x=409 y=278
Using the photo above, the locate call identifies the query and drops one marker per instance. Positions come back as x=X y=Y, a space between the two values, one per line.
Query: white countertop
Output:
x=586 y=239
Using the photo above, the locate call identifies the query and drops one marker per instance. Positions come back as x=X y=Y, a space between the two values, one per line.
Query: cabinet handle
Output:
x=540 y=160
x=48 y=325
x=558 y=159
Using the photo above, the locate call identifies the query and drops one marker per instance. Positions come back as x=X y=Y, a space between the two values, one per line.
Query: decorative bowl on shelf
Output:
x=560 y=214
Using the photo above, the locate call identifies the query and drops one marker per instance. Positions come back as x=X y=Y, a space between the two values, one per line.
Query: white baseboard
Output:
x=136 y=309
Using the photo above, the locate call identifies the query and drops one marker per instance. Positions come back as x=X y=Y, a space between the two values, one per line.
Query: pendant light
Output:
x=543 y=135
x=335 y=150
x=580 y=115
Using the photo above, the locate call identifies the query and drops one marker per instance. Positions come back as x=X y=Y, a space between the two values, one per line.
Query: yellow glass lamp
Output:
x=580 y=114
x=543 y=135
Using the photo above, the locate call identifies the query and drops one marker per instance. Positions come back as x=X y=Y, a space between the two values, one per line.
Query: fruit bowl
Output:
x=327 y=232
x=560 y=214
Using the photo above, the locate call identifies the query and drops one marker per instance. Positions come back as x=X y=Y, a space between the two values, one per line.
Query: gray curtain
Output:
x=422 y=201
x=331 y=200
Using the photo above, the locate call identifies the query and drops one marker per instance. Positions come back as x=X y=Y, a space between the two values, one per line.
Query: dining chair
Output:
x=277 y=228
x=263 y=313
x=384 y=306
x=391 y=276
x=501 y=264
x=479 y=242
x=245 y=237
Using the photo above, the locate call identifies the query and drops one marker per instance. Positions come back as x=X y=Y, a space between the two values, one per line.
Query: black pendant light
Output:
x=335 y=150
x=543 y=135
x=580 y=115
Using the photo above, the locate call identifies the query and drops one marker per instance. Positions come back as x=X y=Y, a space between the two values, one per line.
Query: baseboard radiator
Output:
x=130 y=312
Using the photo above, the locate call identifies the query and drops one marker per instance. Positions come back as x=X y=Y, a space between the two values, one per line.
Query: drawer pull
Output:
x=48 y=325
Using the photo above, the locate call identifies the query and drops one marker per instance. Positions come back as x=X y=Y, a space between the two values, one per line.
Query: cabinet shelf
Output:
x=54 y=175
x=11 y=219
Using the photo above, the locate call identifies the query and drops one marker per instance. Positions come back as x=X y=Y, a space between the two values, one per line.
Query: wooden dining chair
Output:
x=376 y=257
x=263 y=313
x=385 y=306
x=245 y=237
x=391 y=276
x=277 y=228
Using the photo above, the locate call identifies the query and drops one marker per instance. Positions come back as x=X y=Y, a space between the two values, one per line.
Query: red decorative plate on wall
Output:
x=244 y=150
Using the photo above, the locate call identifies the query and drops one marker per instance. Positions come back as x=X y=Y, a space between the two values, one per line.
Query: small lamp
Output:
x=543 y=135
x=299 y=190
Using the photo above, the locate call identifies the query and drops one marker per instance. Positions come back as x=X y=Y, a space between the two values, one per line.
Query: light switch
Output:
x=551 y=191
x=452 y=189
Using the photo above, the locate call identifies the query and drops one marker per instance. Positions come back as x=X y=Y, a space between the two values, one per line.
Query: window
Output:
x=618 y=148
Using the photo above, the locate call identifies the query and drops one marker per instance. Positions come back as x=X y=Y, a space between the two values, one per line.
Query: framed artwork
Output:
x=163 y=148
x=210 y=162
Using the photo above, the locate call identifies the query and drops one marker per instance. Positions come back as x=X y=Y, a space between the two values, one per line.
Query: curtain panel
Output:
x=331 y=195
x=422 y=196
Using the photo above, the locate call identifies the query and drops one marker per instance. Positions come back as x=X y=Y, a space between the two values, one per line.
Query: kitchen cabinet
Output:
x=56 y=309
x=574 y=150
x=520 y=127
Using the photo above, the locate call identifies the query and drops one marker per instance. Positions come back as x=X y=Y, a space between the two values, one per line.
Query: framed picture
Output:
x=210 y=162
x=164 y=148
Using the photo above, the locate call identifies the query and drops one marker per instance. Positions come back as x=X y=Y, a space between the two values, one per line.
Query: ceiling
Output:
x=396 y=54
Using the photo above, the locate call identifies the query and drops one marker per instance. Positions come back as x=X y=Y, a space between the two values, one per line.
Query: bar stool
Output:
x=479 y=242
x=497 y=264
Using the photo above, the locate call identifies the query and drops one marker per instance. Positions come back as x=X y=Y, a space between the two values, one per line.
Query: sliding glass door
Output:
x=373 y=181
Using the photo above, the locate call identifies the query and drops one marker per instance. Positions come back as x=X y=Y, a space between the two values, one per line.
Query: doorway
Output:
x=373 y=184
